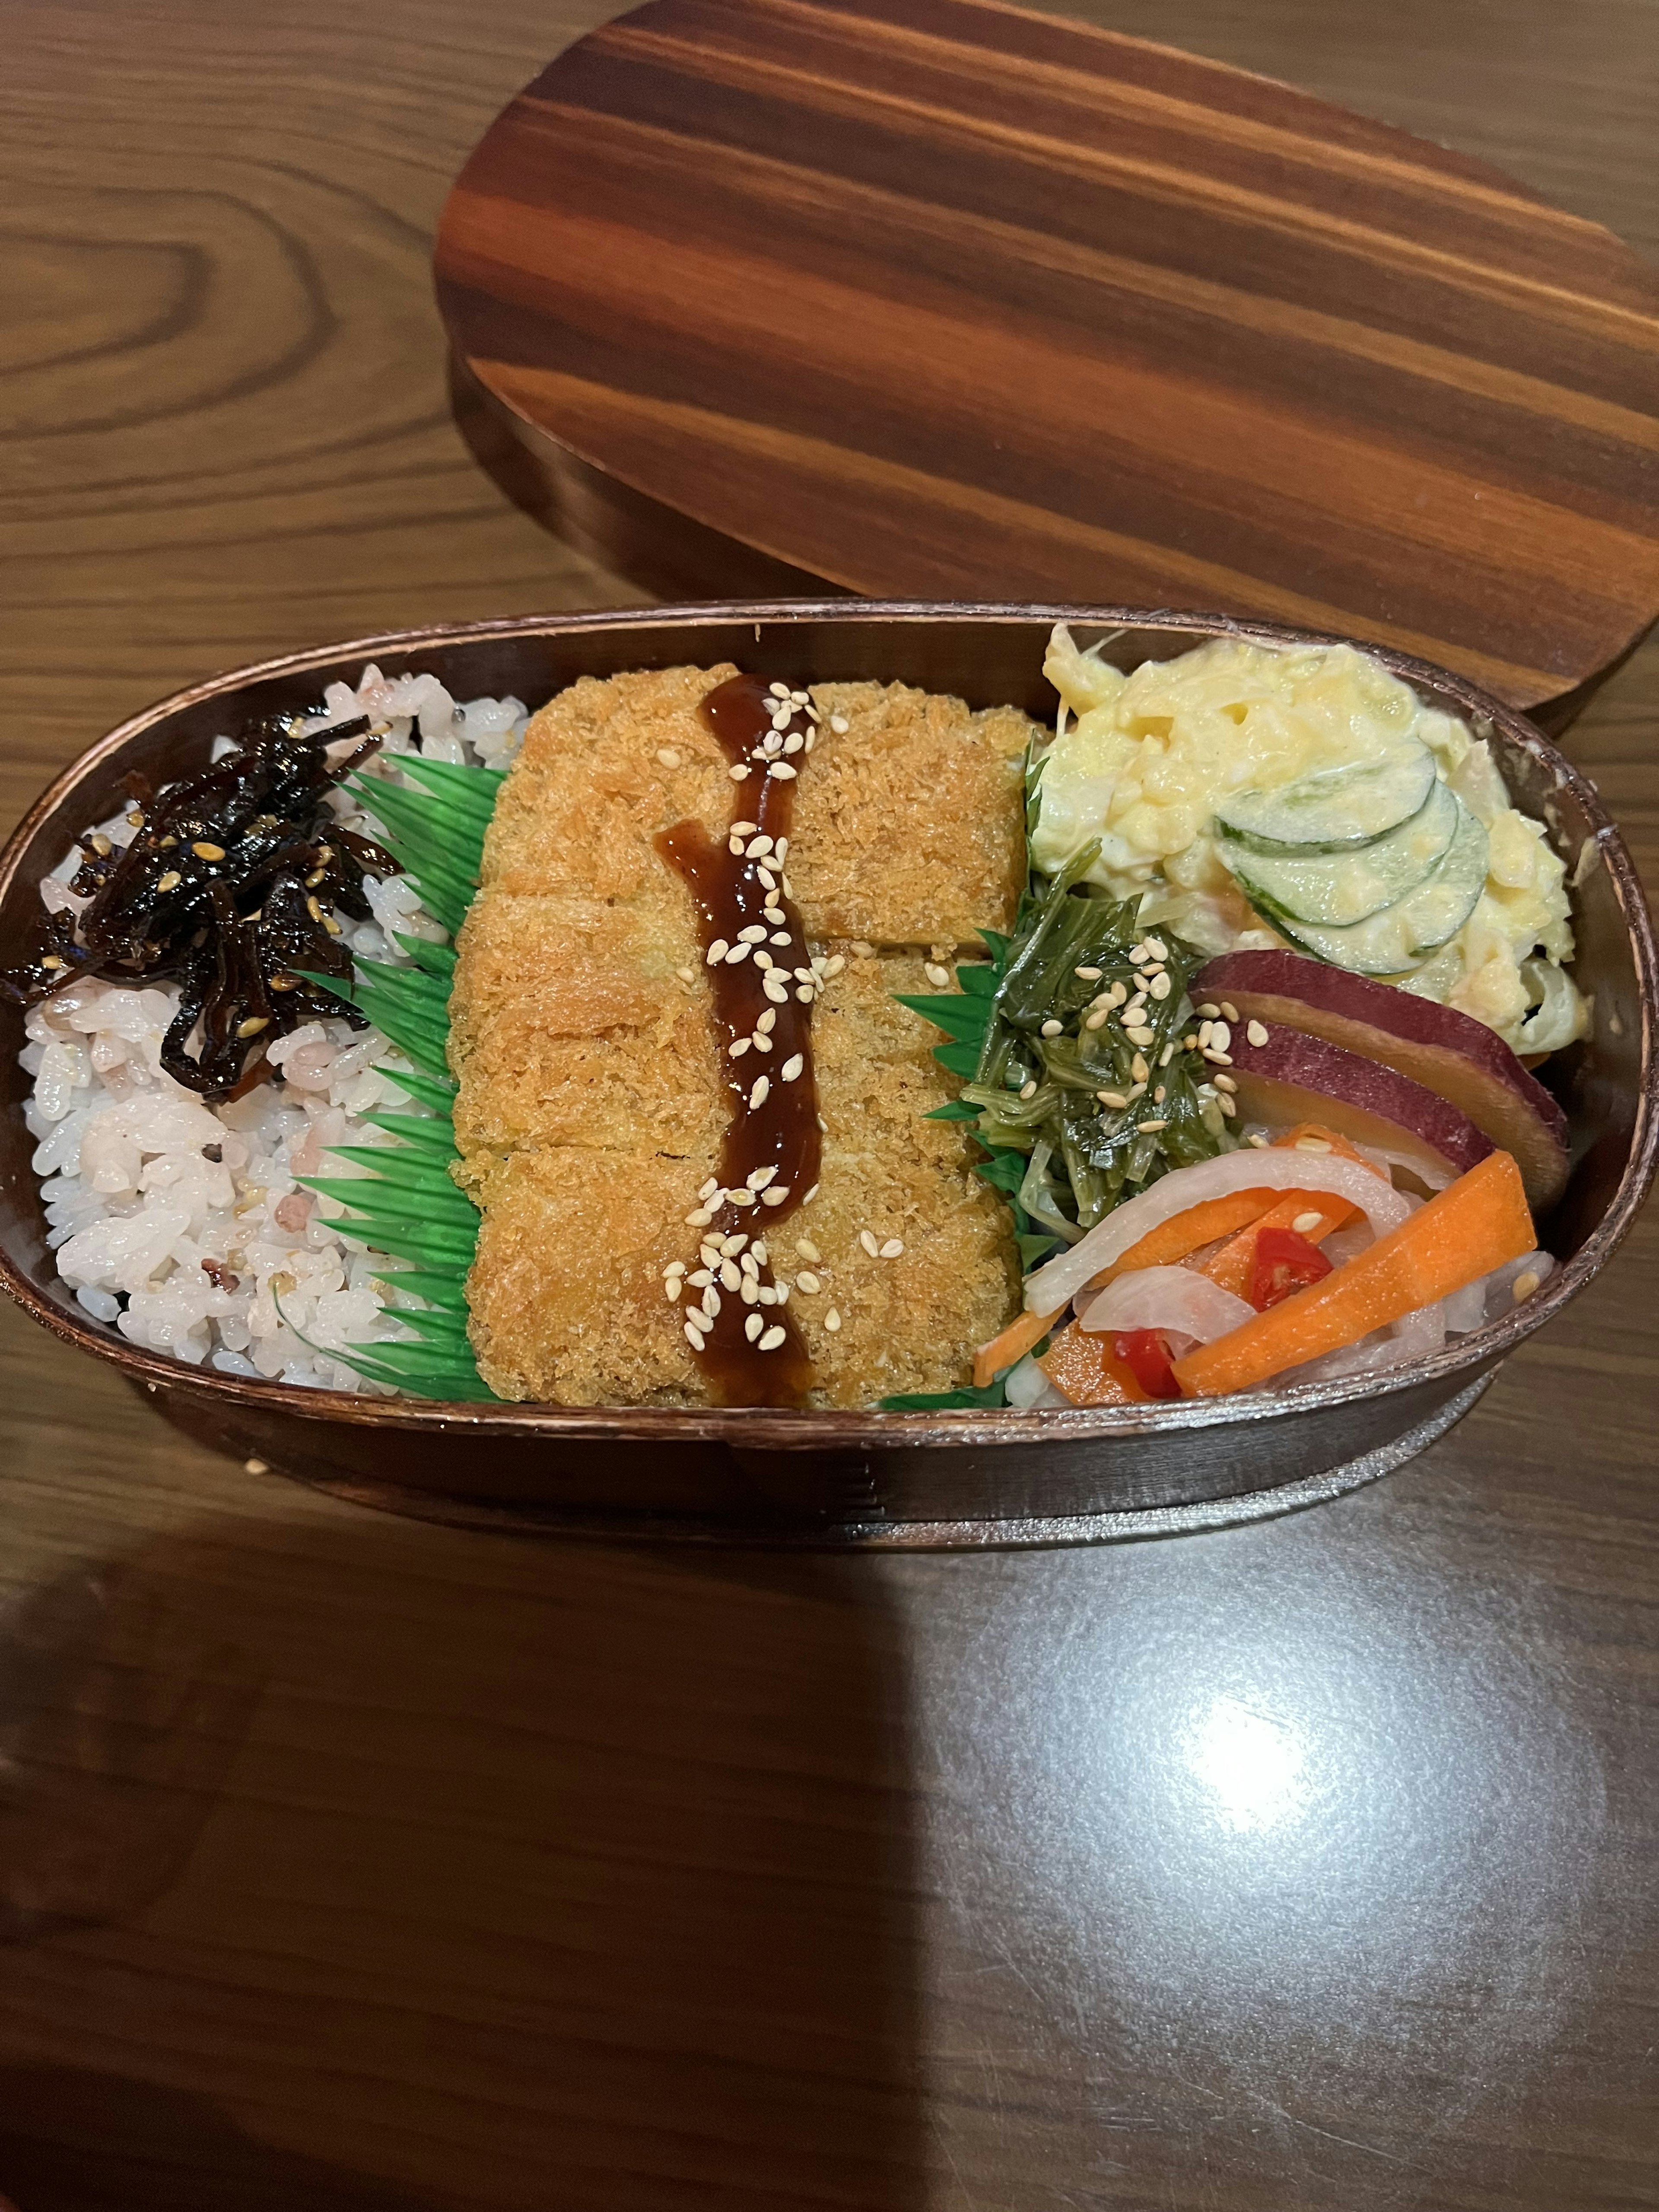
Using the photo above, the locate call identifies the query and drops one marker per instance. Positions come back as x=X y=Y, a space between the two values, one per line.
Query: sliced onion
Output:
x=1058 y=1283
x=1434 y=1174
x=1178 y=1299
x=1029 y=1387
x=1490 y=1298
x=1413 y=1336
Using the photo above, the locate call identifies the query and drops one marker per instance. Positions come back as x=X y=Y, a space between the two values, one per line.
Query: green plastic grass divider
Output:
x=406 y=1206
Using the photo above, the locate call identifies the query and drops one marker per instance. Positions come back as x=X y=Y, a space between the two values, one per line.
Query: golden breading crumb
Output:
x=591 y=1103
x=909 y=824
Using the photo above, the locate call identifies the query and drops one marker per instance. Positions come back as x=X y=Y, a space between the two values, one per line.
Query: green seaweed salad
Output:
x=1078 y=1071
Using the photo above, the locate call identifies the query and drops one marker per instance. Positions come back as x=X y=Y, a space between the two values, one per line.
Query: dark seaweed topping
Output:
x=229 y=889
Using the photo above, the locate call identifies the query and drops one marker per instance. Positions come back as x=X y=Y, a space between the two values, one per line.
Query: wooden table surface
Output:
x=348 y=1865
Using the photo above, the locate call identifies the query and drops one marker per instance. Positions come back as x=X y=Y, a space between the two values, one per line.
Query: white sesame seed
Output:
x=754 y=933
x=731 y=1246
x=776 y=1195
x=869 y=1243
x=745 y=829
x=675 y=1267
x=686 y=974
x=1160 y=986
x=730 y=1277
x=938 y=976
x=765 y=875
x=1136 y=1091
x=757 y=1096
x=1260 y=1142
x=1113 y=1098
x=1189 y=1042
x=766 y=1294
x=748 y=1264
x=1218 y=1059
x=1305 y=1223
x=1159 y=1095
x=807 y=1281
x=782 y=1294
x=1224 y=1083
x=674 y=1286
x=793 y=744
x=775 y=913
x=1151 y=1128
x=813 y=1193
x=668 y=756
x=738 y=1047
x=734 y=953
x=793 y=1067
x=749 y=1290
x=759 y=1177
x=739 y=773
x=784 y=771
x=893 y=1248
x=760 y=1042
x=1138 y=1069
x=735 y=845
x=804 y=975
x=1210 y=1008
x=1228 y=1106
x=1089 y=974
x=1256 y=1032
x=1157 y=948
x=775 y=990
x=1140 y=1036
x=833 y=964
x=767 y=1020
x=1524 y=1285
x=756 y=845
x=774 y=1337
x=698 y=1216
x=1028 y=1089
x=832 y=1320
x=740 y=1197
x=1220 y=1038
x=763 y=961
x=781 y=937
x=807 y=1248
x=1229 y=1010
x=805 y=994
x=711 y=1302
x=709 y=1188
x=693 y=1337
x=1119 y=993
x=778 y=691
x=839 y=724
x=783 y=850
x=1096 y=1020
x=758 y=1248
x=716 y=952
x=1167 y=1054
x=1051 y=1029
x=1312 y=1145
x=752 y=1326
x=1138 y=954
x=800 y=698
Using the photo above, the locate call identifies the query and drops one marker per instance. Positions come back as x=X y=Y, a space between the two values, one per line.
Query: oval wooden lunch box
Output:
x=880 y=1479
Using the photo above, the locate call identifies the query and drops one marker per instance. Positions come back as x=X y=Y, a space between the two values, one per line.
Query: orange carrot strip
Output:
x=1011 y=1344
x=1172 y=1240
x=1088 y=1369
x=1477 y=1224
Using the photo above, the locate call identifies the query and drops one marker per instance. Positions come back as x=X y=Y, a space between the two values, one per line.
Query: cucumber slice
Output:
x=1401 y=936
x=1337 y=811
x=1339 y=889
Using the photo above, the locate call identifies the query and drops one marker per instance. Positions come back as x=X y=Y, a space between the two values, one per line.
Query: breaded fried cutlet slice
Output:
x=591 y=1104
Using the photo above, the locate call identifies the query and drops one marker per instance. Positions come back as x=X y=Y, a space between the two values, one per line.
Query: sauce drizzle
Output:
x=764 y=985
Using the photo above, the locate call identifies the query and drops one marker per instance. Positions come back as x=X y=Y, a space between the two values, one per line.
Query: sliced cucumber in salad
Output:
x=1401 y=936
x=1337 y=811
x=1337 y=890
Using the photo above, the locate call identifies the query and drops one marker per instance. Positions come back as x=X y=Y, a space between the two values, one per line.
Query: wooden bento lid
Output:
x=940 y=299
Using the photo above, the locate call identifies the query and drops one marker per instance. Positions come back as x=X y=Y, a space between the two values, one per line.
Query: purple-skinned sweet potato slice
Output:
x=1437 y=1048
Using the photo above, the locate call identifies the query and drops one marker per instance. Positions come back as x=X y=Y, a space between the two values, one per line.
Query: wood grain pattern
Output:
x=944 y=300
x=418 y=1831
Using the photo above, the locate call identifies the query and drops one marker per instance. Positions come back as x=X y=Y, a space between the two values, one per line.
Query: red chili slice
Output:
x=1146 y=1356
x=1284 y=1262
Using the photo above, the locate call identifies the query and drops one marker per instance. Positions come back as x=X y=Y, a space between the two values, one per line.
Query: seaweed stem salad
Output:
x=708 y=1039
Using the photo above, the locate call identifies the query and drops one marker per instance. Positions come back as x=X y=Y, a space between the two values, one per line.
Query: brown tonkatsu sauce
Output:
x=761 y=728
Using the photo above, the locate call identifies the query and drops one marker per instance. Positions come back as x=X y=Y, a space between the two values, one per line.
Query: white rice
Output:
x=134 y=1203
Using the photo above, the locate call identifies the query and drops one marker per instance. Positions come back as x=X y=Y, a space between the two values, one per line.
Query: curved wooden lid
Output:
x=937 y=298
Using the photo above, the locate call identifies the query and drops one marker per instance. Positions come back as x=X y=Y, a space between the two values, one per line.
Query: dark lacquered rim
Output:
x=758 y=1428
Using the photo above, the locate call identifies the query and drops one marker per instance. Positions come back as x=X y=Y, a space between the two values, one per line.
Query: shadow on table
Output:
x=369 y=1868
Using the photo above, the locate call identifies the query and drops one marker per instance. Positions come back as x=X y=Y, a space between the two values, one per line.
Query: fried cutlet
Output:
x=592 y=1106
